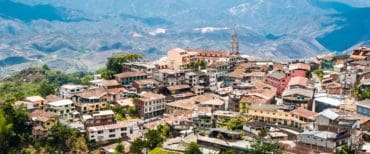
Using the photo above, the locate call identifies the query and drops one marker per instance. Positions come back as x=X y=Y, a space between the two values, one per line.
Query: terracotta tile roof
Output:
x=52 y=98
x=265 y=107
x=301 y=66
x=116 y=90
x=236 y=74
x=40 y=115
x=129 y=74
x=210 y=53
x=112 y=126
x=257 y=74
x=93 y=93
x=149 y=96
x=304 y=113
x=33 y=99
x=277 y=75
x=186 y=104
x=299 y=91
x=178 y=87
x=298 y=80
x=262 y=90
x=146 y=81
x=110 y=83
x=253 y=99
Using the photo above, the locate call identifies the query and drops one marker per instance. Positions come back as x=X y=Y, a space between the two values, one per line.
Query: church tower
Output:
x=234 y=44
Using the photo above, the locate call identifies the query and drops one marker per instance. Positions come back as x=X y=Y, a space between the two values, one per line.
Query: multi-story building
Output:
x=139 y=67
x=62 y=108
x=220 y=68
x=68 y=90
x=126 y=78
x=223 y=117
x=41 y=122
x=179 y=58
x=112 y=131
x=278 y=79
x=150 y=104
x=91 y=100
x=37 y=101
x=363 y=107
x=361 y=53
x=104 y=117
x=280 y=115
x=146 y=85
x=298 y=97
x=299 y=69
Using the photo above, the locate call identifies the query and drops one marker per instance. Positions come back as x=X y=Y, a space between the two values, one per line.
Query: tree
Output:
x=46 y=89
x=114 y=64
x=133 y=112
x=264 y=147
x=309 y=74
x=164 y=129
x=60 y=138
x=6 y=132
x=153 y=138
x=345 y=150
x=193 y=148
x=137 y=146
x=119 y=149
x=235 y=123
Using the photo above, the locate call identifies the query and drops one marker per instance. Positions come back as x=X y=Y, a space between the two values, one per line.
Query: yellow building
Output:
x=275 y=114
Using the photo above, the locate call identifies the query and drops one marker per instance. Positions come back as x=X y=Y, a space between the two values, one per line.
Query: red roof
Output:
x=298 y=80
x=304 y=113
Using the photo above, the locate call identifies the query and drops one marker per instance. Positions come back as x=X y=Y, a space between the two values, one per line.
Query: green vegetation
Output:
x=119 y=149
x=264 y=147
x=193 y=148
x=235 y=123
x=37 y=81
x=114 y=64
x=345 y=150
x=320 y=74
x=361 y=95
x=151 y=140
x=160 y=151
x=137 y=146
x=200 y=64
x=309 y=74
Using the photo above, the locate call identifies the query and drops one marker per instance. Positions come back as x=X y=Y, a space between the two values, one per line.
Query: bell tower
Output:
x=234 y=44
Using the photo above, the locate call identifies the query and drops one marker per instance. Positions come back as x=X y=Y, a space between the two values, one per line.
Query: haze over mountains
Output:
x=76 y=35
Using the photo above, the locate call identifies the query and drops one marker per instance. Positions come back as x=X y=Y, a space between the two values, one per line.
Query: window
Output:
x=112 y=130
x=100 y=132
x=123 y=129
x=112 y=135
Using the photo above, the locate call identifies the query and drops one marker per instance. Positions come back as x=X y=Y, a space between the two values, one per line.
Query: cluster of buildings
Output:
x=288 y=104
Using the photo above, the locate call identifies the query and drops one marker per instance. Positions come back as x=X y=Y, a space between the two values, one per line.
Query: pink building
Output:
x=299 y=69
x=278 y=79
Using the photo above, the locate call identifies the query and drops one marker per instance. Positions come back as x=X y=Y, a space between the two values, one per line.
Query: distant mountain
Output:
x=79 y=35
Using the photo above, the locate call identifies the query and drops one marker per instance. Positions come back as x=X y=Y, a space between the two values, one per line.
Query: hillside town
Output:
x=216 y=102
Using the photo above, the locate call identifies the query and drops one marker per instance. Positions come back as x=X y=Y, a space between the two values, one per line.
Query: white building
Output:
x=112 y=131
x=63 y=108
x=66 y=91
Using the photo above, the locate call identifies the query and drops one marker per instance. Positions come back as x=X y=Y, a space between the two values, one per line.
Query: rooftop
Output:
x=178 y=87
x=304 y=113
x=365 y=103
x=93 y=93
x=265 y=107
x=146 y=81
x=149 y=96
x=110 y=83
x=329 y=114
x=104 y=112
x=298 y=80
x=61 y=102
x=34 y=99
x=129 y=74
x=301 y=66
x=277 y=75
